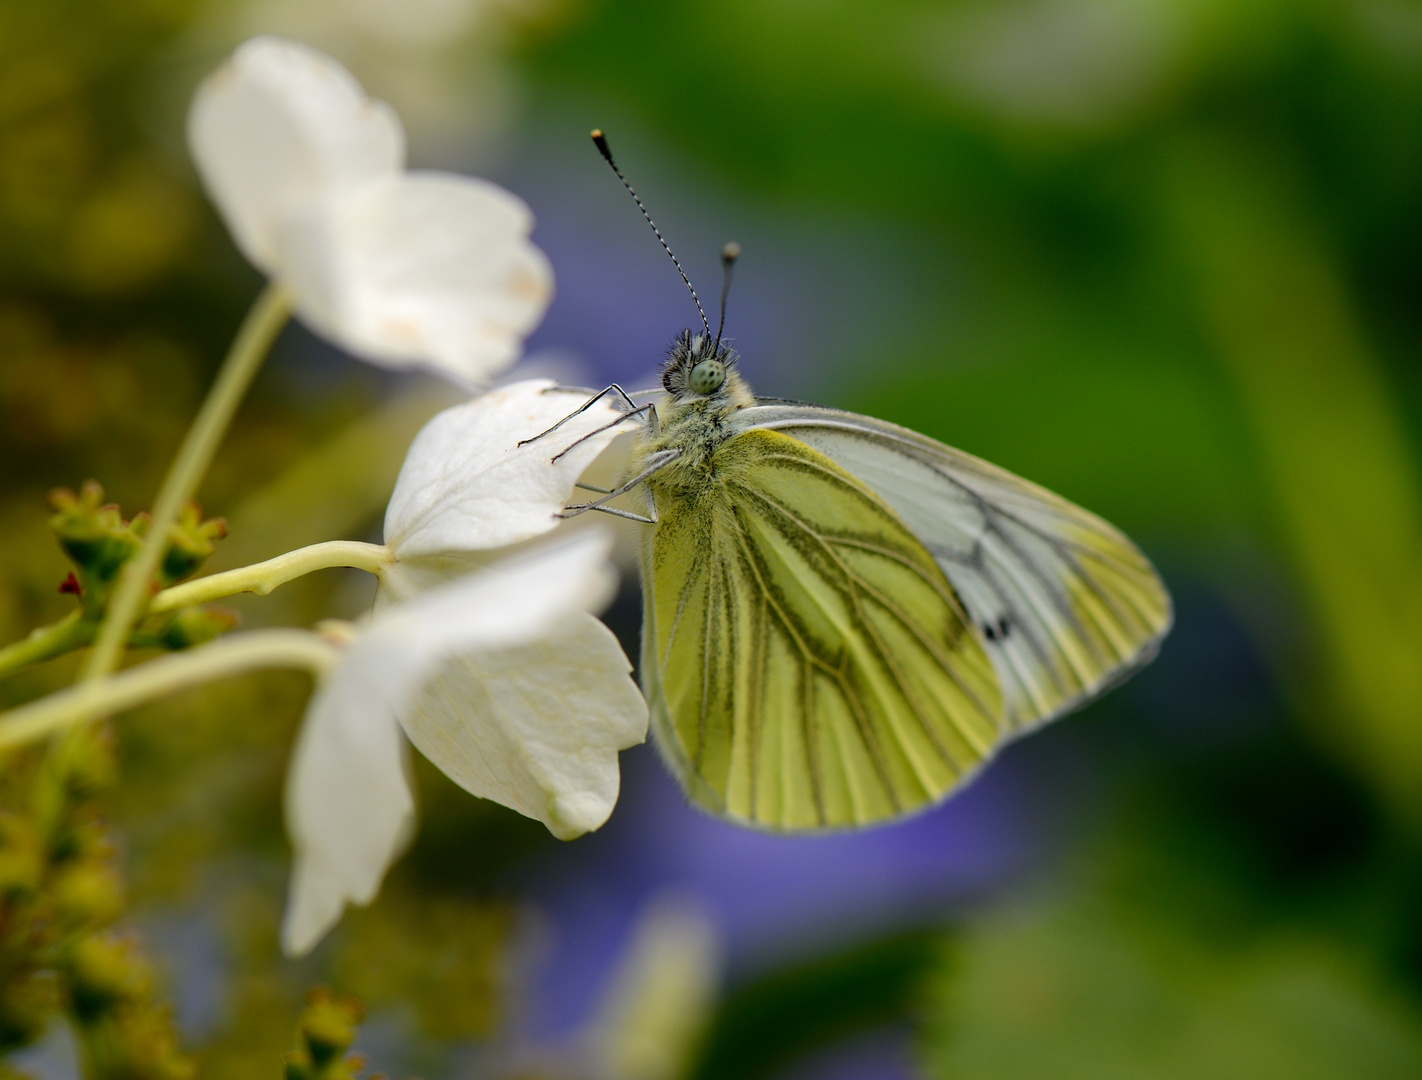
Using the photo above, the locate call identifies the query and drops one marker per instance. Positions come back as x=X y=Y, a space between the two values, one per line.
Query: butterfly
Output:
x=843 y=619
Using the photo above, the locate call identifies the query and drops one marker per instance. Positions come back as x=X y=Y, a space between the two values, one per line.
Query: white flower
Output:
x=551 y=705
x=501 y=678
x=467 y=485
x=401 y=268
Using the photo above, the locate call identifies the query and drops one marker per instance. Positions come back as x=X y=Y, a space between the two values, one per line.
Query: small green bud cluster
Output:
x=28 y=995
x=60 y=893
x=99 y=542
x=124 y=1032
x=184 y=629
x=324 y=1033
x=191 y=541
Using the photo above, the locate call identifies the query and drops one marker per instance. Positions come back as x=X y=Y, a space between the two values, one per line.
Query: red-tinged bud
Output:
x=92 y=533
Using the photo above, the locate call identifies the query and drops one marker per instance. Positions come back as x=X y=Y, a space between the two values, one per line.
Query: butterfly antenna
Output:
x=600 y=141
x=729 y=254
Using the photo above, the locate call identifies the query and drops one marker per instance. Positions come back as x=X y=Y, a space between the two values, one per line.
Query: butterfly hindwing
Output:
x=1067 y=605
x=807 y=663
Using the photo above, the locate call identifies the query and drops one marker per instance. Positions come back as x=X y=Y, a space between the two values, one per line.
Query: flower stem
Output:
x=47 y=642
x=74 y=631
x=261 y=578
x=266 y=318
x=230 y=656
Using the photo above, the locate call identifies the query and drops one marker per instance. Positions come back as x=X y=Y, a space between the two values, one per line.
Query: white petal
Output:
x=349 y=808
x=467 y=485
x=538 y=727
x=348 y=804
x=429 y=269
x=512 y=602
x=281 y=127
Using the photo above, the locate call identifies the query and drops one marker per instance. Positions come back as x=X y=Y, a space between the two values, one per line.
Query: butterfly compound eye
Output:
x=707 y=377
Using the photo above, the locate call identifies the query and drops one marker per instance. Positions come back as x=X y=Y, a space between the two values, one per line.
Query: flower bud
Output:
x=27 y=1004
x=103 y=972
x=76 y=840
x=191 y=542
x=20 y=863
x=194 y=626
x=97 y=539
x=94 y=536
x=328 y=1029
x=89 y=765
x=87 y=895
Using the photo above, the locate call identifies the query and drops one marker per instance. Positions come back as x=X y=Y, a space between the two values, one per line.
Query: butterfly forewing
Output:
x=1066 y=605
x=807 y=662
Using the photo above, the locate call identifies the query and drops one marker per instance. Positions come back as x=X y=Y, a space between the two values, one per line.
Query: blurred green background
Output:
x=1163 y=256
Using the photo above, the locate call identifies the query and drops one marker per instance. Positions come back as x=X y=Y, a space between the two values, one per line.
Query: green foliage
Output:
x=448 y=972
x=1244 y=915
x=1095 y=984
x=1078 y=990
x=769 y=1021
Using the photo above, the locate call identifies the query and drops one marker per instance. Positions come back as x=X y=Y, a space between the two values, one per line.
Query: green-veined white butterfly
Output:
x=844 y=619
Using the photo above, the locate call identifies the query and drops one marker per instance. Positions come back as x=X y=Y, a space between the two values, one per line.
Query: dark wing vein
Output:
x=1084 y=606
x=855 y=581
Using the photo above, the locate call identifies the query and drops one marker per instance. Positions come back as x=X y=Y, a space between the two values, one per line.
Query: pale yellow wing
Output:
x=1066 y=604
x=807 y=664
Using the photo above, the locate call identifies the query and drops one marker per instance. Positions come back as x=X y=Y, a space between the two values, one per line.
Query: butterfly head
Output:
x=697 y=366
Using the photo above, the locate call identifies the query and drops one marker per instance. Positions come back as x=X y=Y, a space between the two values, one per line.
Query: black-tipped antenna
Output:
x=729 y=254
x=600 y=141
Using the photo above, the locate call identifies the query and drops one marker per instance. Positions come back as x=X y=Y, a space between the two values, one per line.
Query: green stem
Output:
x=261 y=578
x=47 y=642
x=230 y=656
x=266 y=318
x=74 y=631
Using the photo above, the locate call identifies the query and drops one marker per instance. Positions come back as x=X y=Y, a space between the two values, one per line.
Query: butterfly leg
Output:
x=615 y=512
x=655 y=464
x=643 y=411
x=613 y=389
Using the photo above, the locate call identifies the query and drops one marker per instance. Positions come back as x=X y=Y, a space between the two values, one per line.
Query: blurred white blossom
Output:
x=541 y=733
x=444 y=64
x=401 y=268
